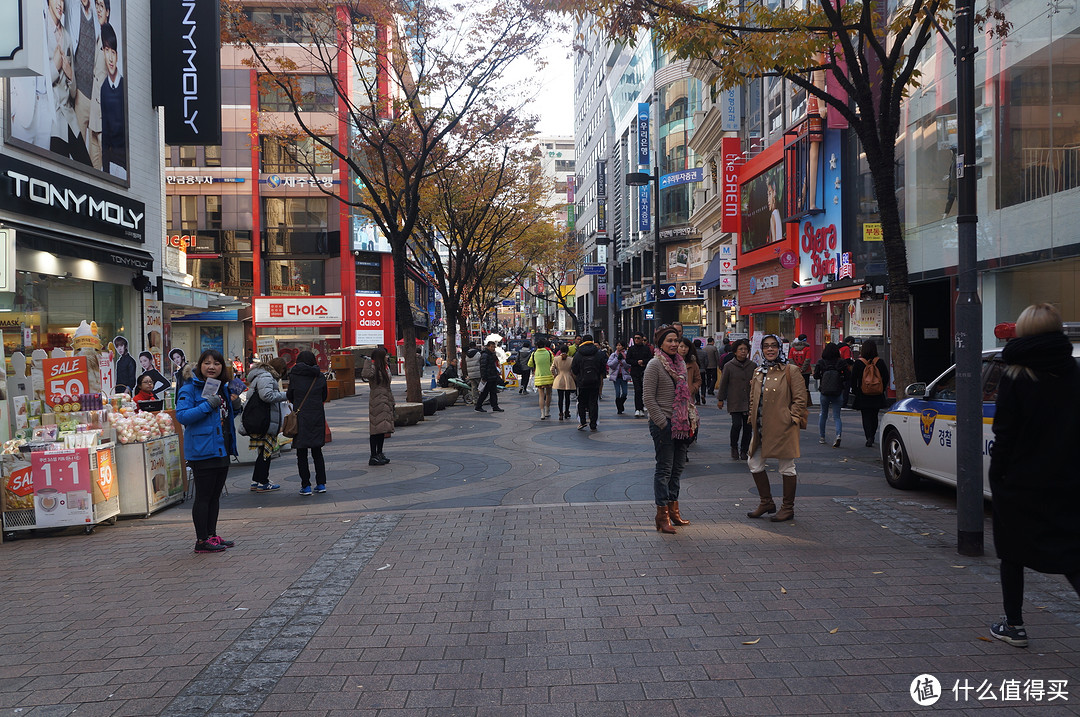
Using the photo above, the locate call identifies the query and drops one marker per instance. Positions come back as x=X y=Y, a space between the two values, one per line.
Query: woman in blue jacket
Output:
x=209 y=440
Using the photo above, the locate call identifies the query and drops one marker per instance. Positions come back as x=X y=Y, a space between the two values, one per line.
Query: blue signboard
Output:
x=594 y=270
x=686 y=176
x=509 y=302
x=227 y=315
x=649 y=314
x=643 y=134
x=644 y=203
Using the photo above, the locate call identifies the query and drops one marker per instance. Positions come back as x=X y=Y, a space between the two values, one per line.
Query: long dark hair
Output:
x=691 y=355
x=868 y=350
x=380 y=376
x=226 y=368
x=831 y=352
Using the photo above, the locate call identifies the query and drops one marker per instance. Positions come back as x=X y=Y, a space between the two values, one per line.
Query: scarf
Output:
x=684 y=417
x=1042 y=353
x=780 y=360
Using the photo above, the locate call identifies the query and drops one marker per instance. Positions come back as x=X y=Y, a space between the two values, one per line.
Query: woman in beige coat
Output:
x=380 y=406
x=778 y=399
x=564 y=380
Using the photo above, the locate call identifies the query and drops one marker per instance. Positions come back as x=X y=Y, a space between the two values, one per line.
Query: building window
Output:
x=295 y=156
x=314 y=93
x=189 y=212
x=187 y=156
x=299 y=225
x=213 y=212
x=369 y=273
x=283 y=25
x=212 y=155
x=296 y=277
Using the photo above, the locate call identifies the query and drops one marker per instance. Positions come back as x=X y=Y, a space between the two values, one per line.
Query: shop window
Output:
x=314 y=93
x=187 y=156
x=212 y=155
x=52 y=307
x=296 y=277
x=302 y=155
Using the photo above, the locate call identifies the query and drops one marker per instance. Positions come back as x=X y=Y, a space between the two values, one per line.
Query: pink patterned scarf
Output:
x=683 y=414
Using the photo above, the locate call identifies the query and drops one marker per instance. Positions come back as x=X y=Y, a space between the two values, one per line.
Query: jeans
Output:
x=587 y=406
x=828 y=402
x=620 y=388
x=302 y=466
x=740 y=424
x=204 y=509
x=670 y=459
x=639 y=391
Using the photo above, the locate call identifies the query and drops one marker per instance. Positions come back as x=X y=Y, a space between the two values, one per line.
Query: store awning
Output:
x=761 y=308
x=83 y=248
x=811 y=297
x=846 y=294
x=711 y=280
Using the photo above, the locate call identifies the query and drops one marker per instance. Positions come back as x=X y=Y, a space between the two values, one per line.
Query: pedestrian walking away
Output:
x=734 y=389
x=869 y=377
x=830 y=374
x=712 y=365
x=777 y=413
x=209 y=441
x=307 y=393
x=799 y=355
x=701 y=358
x=847 y=354
x=619 y=374
x=490 y=379
x=672 y=422
x=1033 y=475
x=380 y=406
x=693 y=371
x=589 y=367
x=564 y=380
x=523 y=366
x=638 y=356
x=265 y=400
x=540 y=362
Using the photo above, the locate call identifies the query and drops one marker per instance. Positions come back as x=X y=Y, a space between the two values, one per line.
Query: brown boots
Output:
x=787 y=507
x=673 y=513
x=761 y=480
x=663 y=522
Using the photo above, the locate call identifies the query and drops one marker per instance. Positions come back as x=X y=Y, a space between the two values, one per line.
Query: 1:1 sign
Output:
x=62 y=471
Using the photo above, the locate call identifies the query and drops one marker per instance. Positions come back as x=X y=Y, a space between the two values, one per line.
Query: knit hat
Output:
x=658 y=337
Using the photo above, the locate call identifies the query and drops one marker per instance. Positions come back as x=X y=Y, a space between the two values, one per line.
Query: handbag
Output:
x=290 y=425
x=255 y=418
x=327 y=436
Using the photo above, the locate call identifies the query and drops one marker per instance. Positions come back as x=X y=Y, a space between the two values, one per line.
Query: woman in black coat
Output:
x=1033 y=463
x=869 y=405
x=307 y=393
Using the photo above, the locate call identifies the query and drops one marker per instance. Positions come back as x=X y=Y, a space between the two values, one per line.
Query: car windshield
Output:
x=945 y=387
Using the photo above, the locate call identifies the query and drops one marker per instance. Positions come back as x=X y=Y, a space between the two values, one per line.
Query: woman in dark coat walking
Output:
x=1033 y=464
x=307 y=393
x=867 y=404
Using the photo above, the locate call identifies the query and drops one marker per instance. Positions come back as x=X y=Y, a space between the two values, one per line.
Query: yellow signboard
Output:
x=871 y=231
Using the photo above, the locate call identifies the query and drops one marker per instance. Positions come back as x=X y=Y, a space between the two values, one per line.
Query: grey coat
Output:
x=263 y=380
x=734 y=385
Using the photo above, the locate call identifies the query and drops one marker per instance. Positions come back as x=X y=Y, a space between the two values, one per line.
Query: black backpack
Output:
x=832 y=381
x=590 y=373
x=256 y=416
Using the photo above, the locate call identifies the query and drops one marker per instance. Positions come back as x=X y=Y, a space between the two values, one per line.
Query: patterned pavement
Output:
x=503 y=565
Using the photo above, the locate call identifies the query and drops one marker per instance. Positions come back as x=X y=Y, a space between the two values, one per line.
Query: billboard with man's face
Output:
x=77 y=111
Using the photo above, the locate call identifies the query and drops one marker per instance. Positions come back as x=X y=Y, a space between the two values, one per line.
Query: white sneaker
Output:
x=638 y=414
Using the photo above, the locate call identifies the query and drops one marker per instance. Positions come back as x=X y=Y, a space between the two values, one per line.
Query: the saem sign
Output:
x=298 y=311
x=731 y=158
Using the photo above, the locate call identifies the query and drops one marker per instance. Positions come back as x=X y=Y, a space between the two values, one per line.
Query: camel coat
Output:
x=783 y=413
x=563 y=378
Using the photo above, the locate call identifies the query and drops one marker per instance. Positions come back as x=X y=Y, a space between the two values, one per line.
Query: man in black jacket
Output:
x=589 y=368
x=638 y=356
x=489 y=379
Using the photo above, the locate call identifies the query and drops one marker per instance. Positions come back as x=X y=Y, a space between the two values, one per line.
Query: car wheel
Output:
x=897 y=466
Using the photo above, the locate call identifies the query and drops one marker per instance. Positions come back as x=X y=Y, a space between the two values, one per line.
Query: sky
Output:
x=554 y=103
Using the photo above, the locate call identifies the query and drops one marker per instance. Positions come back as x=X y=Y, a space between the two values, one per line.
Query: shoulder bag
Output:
x=290 y=425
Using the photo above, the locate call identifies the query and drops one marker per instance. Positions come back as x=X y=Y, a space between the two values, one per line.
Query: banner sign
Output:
x=186 y=69
x=643 y=134
x=730 y=102
x=370 y=321
x=298 y=310
x=731 y=158
x=644 y=206
x=601 y=178
x=686 y=176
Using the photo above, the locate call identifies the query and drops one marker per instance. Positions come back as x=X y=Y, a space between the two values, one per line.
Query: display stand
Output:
x=151 y=475
x=57 y=489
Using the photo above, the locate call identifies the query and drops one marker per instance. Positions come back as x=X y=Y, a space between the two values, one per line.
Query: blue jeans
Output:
x=827 y=402
x=670 y=459
x=620 y=388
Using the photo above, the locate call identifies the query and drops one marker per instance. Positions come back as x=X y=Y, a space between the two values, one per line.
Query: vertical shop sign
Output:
x=601 y=291
x=730 y=102
x=601 y=178
x=644 y=207
x=153 y=328
x=731 y=158
x=108 y=373
x=370 y=321
x=643 y=134
x=186 y=69
x=65 y=377
x=571 y=184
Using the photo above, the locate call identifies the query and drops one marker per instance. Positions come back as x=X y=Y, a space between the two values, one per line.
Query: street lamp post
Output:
x=641 y=179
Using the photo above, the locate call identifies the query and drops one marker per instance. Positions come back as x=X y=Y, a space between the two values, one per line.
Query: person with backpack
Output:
x=589 y=368
x=829 y=373
x=540 y=361
x=734 y=389
x=522 y=366
x=869 y=377
x=262 y=418
x=799 y=355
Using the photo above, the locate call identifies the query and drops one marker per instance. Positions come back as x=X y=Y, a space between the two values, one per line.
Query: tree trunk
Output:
x=403 y=308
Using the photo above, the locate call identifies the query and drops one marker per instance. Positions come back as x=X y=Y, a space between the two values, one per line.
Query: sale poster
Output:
x=108 y=373
x=106 y=474
x=67 y=376
x=61 y=487
x=153 y=329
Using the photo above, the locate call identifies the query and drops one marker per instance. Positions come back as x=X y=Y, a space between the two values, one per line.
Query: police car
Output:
x=918 y=435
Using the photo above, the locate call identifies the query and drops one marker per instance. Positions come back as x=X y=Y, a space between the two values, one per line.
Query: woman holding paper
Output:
x=206 y=410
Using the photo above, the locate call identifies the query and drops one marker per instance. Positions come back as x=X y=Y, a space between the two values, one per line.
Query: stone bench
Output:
x=406 y=414
x=446 y=396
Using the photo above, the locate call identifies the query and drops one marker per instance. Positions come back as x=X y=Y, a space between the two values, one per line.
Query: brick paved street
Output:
x=501 y=565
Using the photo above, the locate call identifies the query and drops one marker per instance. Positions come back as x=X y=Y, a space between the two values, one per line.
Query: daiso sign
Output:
x=298 y=310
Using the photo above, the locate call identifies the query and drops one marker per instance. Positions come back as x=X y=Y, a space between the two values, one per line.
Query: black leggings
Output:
x=740 y=431
x=869 y=422
x=564 y=398
x=204 y=509
x=1012 y=590
x=377 y=444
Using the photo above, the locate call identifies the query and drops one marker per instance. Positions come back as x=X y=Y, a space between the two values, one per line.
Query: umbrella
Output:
x=493 y=337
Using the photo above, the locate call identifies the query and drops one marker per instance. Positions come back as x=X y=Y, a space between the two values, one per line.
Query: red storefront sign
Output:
x=731 y=159
x=370 y=320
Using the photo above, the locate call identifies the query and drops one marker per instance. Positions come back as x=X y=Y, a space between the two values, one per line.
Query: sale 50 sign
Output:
x=65 y=377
